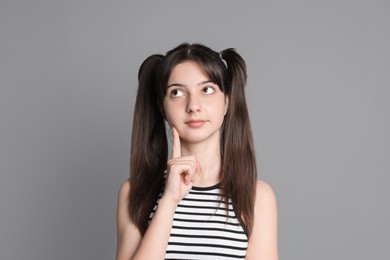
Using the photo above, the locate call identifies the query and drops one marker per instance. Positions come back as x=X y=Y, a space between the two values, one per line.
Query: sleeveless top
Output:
x=202 y=230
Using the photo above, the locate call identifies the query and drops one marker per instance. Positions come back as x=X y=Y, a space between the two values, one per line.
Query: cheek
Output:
x=217 y=107
x=169 y=113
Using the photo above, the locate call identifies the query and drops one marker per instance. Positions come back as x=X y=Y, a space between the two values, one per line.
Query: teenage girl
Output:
x=205 y=202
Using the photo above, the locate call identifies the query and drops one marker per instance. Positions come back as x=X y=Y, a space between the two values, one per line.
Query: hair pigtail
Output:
x=239 y=171
x=149 y=145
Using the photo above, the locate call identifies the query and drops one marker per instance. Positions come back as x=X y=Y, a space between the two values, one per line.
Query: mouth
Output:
x=195 y=123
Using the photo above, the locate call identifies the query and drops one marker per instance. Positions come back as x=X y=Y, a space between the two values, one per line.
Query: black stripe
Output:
x=211 y=237
x=210 y=229
x=206 y=245
x=213 y=187
x=179 y=259
x=202 y=207
x=205 y=253
x=203 y=193
x=205 y=200
x=203 y=214
x=207 y=221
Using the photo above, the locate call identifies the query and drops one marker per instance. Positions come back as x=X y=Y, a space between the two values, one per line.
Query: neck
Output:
x=209 y=156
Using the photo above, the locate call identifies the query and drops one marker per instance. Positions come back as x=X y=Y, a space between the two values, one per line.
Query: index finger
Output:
x=176 y=148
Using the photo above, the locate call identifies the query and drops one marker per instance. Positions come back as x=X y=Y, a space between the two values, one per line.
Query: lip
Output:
x=196 y=123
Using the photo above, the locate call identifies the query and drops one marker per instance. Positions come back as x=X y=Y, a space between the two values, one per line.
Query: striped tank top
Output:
x=201 y=229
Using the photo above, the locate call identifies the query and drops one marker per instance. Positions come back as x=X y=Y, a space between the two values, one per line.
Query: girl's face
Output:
x=193 y=104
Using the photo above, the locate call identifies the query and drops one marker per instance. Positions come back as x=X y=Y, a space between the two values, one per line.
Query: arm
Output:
x=182 y=171
x=130 y=244
x=128 y=236
x=263 y=242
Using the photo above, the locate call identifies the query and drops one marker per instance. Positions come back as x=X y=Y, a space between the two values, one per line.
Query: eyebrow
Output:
x=183 y=85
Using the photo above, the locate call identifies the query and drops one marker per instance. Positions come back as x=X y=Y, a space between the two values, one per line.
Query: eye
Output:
x=176 y=93
x=208 y=90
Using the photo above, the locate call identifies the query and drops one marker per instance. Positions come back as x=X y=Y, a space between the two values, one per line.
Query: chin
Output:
x=198 y=136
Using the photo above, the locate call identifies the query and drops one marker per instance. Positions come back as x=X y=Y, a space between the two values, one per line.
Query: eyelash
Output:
x=206 y=90
x=174 y=92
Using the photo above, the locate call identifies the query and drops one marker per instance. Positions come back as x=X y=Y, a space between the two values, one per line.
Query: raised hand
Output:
x=182 y=172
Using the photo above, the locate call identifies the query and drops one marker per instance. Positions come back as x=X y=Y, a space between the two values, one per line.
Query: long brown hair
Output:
x=149 y=146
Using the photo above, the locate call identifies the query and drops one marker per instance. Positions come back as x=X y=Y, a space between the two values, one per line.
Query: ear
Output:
x=226 y=105
x=161 y=109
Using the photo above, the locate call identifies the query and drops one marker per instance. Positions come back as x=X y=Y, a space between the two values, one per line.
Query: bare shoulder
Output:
x=264 y=193
x=123 y=204
x=124 y=189
x=263 y=243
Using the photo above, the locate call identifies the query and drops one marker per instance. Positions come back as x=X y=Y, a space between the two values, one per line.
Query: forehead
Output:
x=188 y=72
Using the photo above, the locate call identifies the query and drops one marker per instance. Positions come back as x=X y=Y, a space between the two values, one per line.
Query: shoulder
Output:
x=124 y=189
x=265 y=201
x=123 y=201
x=263 y=240
x=264 y=192
x=123 y=217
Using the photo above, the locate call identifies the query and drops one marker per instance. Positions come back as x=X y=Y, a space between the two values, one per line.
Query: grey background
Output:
x=318 y=93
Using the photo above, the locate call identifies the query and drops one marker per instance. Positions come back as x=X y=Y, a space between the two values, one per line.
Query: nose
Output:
x=193 y=104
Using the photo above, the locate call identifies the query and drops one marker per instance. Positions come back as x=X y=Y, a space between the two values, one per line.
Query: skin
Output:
x=195 y=108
